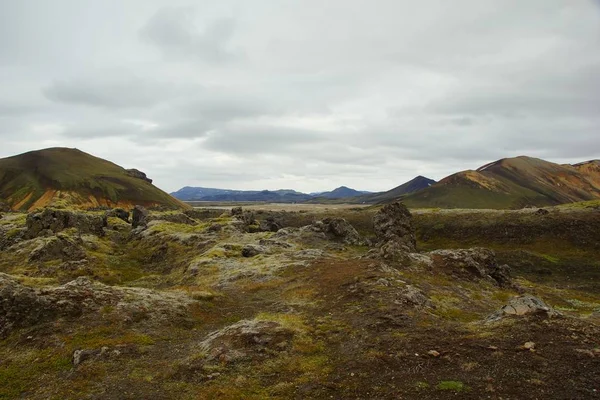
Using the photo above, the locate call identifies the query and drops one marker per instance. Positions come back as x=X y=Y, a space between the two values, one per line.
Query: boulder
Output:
x=251 y=250
x=524 y=305
x=338 y=229
x=139 y=216
x=246 y=339
x=50 y=220
x=478 y=263
x=394 y=223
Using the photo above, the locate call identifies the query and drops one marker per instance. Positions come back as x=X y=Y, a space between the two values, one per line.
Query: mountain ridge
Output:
x=513 y=183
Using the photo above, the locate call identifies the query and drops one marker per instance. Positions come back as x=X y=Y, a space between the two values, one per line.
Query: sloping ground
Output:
x=70 y=177
x=513 y=183
x=211 y=308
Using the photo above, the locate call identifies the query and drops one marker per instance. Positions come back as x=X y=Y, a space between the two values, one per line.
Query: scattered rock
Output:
x=415 y=297
x=247 y=339
x=80 y=356
x=524 y=305
x=338 y=229
x=434 y=353
x=138 y=174
x=542 y=211
x=477 y=262
x=251 y=250
x=57 y=220
x=528 y=346
x=139 y=217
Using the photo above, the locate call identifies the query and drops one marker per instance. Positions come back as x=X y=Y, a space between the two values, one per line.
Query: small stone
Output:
x=433 y=353
x=529 y=346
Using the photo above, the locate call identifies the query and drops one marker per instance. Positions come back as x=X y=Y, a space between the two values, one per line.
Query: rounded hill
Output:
x=70 y=177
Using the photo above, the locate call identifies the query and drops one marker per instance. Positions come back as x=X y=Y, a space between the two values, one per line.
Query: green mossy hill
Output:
x=512 y=183
x=71 y=178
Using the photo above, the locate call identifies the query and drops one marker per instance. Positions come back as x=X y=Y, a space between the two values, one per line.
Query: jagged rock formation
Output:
x=138 y=174
x=22 y=306
x=337 y=229
x=139 y=216
x=52 y=221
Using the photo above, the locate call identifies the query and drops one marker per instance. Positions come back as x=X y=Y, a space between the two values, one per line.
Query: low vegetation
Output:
x=273 y=305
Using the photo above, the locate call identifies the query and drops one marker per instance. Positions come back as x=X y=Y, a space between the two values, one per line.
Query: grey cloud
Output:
x=302 y=94
x=114 y=92
x=174 y=32
x=263 y=139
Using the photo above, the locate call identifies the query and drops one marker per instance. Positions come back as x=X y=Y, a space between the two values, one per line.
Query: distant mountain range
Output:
x=507 y=183
x=279 y=196
x=70 y=177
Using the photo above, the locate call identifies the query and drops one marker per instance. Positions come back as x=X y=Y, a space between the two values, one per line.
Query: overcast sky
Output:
x=305 y=94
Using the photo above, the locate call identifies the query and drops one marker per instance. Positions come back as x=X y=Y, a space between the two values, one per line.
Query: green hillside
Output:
x=62 y=176
x=512 y=183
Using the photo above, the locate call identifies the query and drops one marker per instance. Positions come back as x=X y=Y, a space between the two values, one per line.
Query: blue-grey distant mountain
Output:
x=212 y=194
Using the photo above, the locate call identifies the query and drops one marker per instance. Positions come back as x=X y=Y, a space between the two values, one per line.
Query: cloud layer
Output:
x=307 y=95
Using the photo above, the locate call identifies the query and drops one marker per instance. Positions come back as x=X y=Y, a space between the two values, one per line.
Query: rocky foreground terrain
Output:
x=348 y=304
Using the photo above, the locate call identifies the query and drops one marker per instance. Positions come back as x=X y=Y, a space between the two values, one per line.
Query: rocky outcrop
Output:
x=338 y=229
x=59 y=247
x=22 y=306
x=51 y=221
x=395 y=233
x=394 y=223
x=136 y=173
x=270 y=224
x=118 y=213
x=247 y=339
x=524 y=305
x=475 y=263
x=139 y=217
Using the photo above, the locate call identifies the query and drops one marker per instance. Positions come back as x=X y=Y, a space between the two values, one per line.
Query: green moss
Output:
x=454 y=386
x=18 y=375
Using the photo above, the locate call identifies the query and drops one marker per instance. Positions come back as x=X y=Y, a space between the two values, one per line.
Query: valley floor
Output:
x=288 y=303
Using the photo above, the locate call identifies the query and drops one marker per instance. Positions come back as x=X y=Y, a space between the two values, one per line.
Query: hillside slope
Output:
x=70 y=177
x=513 y=183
